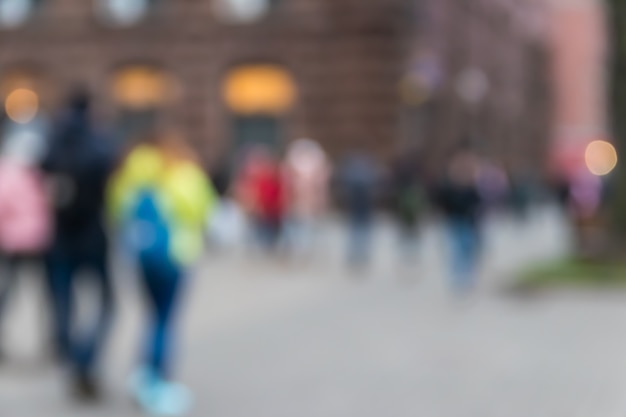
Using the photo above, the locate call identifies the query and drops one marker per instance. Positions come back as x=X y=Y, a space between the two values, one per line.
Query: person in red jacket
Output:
x=261 y=191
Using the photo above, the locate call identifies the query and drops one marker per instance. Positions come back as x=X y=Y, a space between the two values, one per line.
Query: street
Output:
x=274 y=339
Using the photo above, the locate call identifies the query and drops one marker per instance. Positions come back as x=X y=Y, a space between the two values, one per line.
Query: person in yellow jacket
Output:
x=159 y=199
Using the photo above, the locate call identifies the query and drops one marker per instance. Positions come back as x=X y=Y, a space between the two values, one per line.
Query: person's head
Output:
x=76 y=123
x=305 y=152
x=463 y=167
x=305 y=146
x=174 y=144
x=169 y=141
x=79 y=100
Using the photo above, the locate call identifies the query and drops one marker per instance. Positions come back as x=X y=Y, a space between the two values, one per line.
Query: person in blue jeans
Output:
x=465 y=249
x=160 y=198
x=460 y=203
x=358 y=181
x=162 y=283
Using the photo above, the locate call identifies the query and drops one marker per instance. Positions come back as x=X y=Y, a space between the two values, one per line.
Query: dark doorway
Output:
x=256 y=130
x=133 y=124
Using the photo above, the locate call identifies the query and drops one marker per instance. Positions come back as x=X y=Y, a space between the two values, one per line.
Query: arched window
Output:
x=243 y=11
x=140 y=92
x=124 y=12
x=258 y=96
x=14 y=13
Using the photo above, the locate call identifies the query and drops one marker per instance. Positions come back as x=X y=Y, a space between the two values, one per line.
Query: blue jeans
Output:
x=268 y=233
x=162 y=281
x=63 y=265
x=465 y=250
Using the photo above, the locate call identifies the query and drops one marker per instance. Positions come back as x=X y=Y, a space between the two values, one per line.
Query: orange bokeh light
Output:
x=22 y=105
x=601 y=157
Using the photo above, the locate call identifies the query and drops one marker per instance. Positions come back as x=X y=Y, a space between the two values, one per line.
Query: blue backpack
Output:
x=147 y=231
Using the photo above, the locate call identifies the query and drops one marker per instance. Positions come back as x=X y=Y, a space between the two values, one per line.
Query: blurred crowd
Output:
x=69 y=192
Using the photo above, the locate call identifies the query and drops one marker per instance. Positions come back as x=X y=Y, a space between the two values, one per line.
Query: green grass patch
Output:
x=574 y=273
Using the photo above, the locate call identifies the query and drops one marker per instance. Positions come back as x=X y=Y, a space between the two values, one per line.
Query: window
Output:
x=123 y=12
x=14 y=13
x=257 y=130
x=141 y=92
x=258 y=96
x=243 y=11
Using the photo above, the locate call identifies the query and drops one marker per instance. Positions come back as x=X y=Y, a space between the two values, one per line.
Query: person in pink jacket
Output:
x=307 y=173
x=25 y=224
x=25 y=219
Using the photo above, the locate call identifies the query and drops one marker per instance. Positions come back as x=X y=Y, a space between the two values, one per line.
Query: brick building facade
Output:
x=347 y=60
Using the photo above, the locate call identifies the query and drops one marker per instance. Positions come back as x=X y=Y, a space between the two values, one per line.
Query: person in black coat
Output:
x=460 y=203
x=78 y=166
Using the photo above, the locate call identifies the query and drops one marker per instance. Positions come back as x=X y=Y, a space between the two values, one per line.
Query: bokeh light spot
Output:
x=22 y=105
x=259 y=89
x=142 y=87
x=600 y=157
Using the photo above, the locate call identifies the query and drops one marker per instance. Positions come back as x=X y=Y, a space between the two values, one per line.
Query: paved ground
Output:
x=263 y=339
